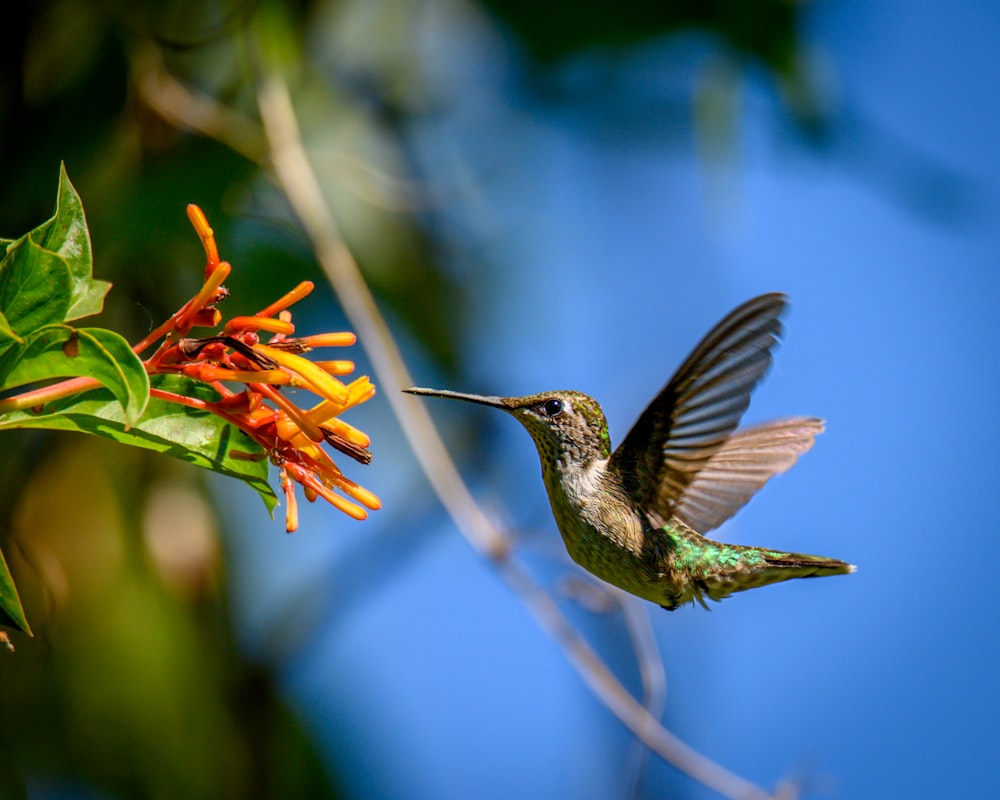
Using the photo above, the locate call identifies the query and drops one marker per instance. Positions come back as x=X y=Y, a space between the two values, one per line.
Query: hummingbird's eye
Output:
x=552 y=407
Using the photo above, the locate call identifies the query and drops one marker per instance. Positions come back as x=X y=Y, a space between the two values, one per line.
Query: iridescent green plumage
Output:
x=635 y=517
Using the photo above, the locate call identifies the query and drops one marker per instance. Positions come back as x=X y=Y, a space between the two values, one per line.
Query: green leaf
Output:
x=34 y=286
x=11 y=612
x=10 y=347
x=198 y=437
x=67 y=236
x=60 y=351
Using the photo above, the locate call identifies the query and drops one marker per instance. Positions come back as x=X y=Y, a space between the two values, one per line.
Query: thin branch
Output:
x=188 y=110
x=652 y=673
x=606 y=686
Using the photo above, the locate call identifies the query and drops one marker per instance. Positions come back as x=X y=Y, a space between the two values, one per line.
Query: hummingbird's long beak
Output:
x=495 y=402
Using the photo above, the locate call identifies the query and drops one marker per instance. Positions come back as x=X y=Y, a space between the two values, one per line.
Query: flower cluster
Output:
x=236 y=355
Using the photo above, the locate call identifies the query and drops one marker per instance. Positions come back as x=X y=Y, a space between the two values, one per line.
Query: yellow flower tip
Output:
x=291 y=513
x=359 y=391
x=340 y=339
x=352 y=510
x=309 y=493
x=308 y=479
x=200 y=223
x=359 y=493
x=286 y=300
x=336 y=367
x=292 y=506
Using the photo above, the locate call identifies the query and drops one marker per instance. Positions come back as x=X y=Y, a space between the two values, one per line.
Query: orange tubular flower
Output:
x=289 y=299
x=293 y=437
x=207 y=236
x=345 y=339
x=259 y=324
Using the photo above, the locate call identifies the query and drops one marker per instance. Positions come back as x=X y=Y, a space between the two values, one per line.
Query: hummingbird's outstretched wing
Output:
x=734 y=473
x=691 y=420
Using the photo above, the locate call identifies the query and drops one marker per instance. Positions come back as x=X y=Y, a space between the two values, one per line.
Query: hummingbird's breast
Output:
x=602 y=531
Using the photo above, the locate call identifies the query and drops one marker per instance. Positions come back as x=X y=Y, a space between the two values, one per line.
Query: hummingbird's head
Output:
x=567 y=427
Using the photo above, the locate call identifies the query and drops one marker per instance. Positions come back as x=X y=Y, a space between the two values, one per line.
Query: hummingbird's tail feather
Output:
x=757 y=567
x=811 y=566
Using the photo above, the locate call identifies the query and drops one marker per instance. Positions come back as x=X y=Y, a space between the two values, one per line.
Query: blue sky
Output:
x=596 y=262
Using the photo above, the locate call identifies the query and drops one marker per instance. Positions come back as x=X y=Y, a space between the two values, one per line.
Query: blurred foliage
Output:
x=743 y=34
x=763 y=29
x=134 y=684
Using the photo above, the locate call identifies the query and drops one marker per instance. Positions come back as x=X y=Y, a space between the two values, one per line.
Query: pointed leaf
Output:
x=11 y=612
x=60 y=351
x=67 y=236
x=46 y=275
x=197 y=437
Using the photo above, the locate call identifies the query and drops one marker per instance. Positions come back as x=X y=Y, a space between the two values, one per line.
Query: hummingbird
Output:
x=636 y=517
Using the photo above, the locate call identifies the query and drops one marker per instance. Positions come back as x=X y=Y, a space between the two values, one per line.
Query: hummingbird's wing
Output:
x=694 y=415
x=734 y=473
